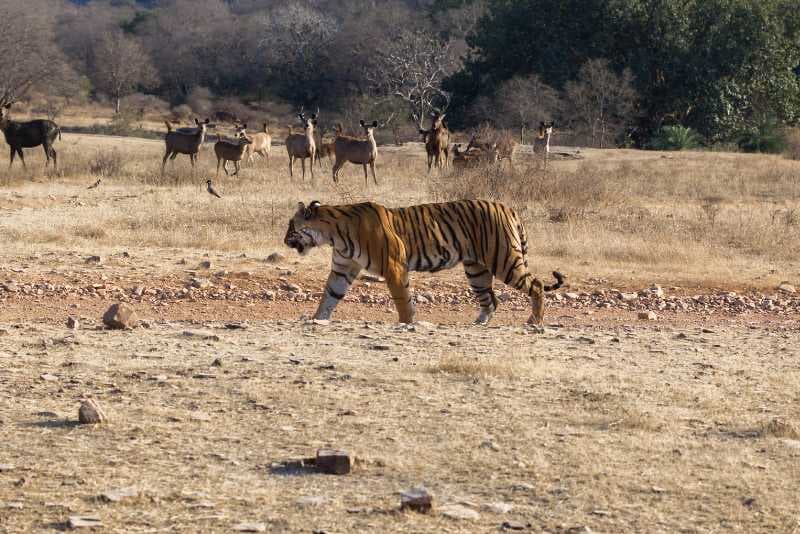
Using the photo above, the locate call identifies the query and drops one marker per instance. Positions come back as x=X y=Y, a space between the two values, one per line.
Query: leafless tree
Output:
x=29 y=56
x=523 y=102
x=122 y=65
x=412 y=67
x=603 y=103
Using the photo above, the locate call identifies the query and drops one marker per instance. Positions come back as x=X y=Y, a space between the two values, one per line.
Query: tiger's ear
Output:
x=311 y=211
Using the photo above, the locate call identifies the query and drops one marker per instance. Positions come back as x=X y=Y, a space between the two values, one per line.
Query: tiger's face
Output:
x=305 y=231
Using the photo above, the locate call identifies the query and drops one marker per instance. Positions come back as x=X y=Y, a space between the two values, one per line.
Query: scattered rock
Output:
x=120 y=316
x=201 y=334
x=309 y=501
x=416 y=499
x=205 y=264
x=250 y=527
x=275 y=257
x=628 y=297
x=217 y=362
x=200 y=283
x=84 y=521
x=72 y=323
x=489 y=444
x=571 y=296
x=656 y=291
x=333 y=462
x=513 y=525
x=786 y=287
x=48 y=377
x=94 y=259
x=499 y=507
x=380 y=347
x=119 y=494
x=647 y=316
x=458 y=511
x=4 y=468
x=90 y=413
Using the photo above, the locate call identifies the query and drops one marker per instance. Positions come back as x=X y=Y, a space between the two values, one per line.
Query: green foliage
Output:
x=676 y=137
x=713 y=65
x=769 y=137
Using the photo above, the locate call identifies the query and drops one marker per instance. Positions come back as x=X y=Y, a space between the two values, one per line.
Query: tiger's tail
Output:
x=559 y=282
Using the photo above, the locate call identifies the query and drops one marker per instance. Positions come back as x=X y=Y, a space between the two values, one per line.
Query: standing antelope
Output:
x=325 y=148
x=302 y=146
x=437 y=142
x=261 y=144
x=232 y=151
x=358 y=151
x=184 y=141
x=29 y=134
x=542 y=142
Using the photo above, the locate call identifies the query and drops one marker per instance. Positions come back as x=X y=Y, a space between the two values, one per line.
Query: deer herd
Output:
x=301 y=144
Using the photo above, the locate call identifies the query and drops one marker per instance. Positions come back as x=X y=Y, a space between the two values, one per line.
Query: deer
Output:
x=325 y=148
x=358 y=151
x=437 y=141
x=261 y=144
x=29 y=134
x=302 y=146
x=541 y=145
x=502 y=148
x=232 y=151
x=474 y=157
x=184 y=141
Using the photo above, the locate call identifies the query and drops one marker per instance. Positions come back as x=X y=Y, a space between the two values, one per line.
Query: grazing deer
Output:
x=302 y=146
x=232 y=150
x=437 y=141
x=187 y=142
x=261 y=144
x=358 y=151
x=29 y=134
x=502 y=148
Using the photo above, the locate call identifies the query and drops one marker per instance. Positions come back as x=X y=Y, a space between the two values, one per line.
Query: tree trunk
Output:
x=522 y=134
x=117 y=104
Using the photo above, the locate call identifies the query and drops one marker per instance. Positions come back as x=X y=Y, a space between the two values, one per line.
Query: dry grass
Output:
x=618 y=437
x=688 y=218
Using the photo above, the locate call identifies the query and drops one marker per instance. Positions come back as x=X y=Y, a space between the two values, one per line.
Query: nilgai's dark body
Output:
x=29 y=134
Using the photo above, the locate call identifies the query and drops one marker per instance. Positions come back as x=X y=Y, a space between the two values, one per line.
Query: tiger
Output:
x=487 y=237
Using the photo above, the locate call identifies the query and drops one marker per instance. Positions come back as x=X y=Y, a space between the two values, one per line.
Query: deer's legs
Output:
x=13 y=155
x=22 y=158
x=372 y=168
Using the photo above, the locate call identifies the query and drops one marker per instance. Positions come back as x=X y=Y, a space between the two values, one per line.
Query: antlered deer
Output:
x=29 y=134
x=437 y=141
x=178 y=142
x=302 y=146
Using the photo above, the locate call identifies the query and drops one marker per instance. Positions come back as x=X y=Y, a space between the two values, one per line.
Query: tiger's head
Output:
x=305 y=229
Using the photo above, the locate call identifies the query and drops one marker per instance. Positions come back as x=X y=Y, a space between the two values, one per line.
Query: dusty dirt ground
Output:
x=604 y=423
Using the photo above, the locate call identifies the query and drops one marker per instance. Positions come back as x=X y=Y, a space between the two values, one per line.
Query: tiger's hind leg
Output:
x=398 y=282
x=520 y=279
x=343 y=274
x=480 y=280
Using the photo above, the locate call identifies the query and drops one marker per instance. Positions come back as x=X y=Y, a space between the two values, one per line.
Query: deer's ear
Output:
x=361 y=122
x=8 y=106
x=374 y=124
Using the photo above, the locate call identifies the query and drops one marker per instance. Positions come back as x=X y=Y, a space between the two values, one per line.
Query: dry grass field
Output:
x=604 y=423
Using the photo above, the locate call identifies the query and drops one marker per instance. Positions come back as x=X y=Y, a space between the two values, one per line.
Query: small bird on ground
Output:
x=95 y=184
x=210 y=189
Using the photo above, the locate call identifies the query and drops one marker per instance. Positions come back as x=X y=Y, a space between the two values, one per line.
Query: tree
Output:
x=521 y=102
x=412 y=67
x=121 y=65
x=29 y=56
x=603 y=103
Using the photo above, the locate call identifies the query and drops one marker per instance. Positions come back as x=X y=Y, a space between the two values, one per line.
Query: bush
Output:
x=676 y=137
x=792 y=138
x=768 y=137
